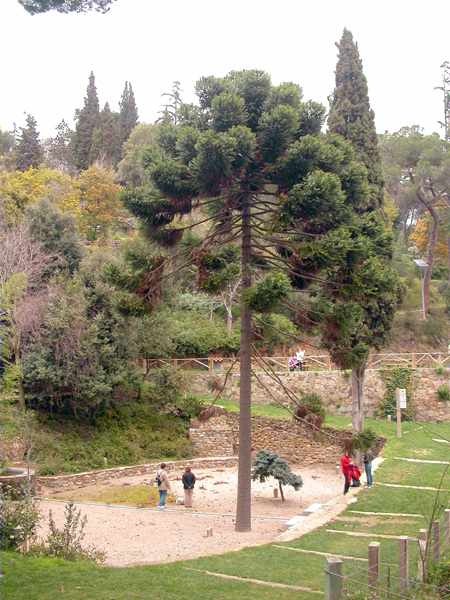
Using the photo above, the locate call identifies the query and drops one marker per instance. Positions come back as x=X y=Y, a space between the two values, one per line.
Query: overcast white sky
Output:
x=46 y=59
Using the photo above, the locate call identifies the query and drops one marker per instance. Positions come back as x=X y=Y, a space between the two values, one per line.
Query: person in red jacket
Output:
x=346 y=468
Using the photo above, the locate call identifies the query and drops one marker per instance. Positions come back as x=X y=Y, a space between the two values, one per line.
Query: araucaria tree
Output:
x=29 y=150
x=268 y=464
x=357 y=312
x=251 y=161
x=87 y=120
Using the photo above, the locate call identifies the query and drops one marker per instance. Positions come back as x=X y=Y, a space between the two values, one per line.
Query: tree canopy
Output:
x=35 y=7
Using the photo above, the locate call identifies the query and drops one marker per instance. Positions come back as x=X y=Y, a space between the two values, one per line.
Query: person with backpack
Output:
x=188 y=481
x=163 y=483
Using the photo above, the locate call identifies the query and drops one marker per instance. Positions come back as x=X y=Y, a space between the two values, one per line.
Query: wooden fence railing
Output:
x=280 y=364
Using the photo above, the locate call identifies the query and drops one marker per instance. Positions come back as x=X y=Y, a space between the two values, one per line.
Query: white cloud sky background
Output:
x=47 y=58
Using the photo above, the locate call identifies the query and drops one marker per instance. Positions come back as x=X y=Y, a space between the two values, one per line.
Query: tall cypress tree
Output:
x=351 y=115
x=128 y=117
x=105 y=139
x=357 y=314
x=87 y=120
x=29 y=149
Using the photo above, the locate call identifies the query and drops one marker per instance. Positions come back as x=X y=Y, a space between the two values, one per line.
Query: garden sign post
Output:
x=400 y=400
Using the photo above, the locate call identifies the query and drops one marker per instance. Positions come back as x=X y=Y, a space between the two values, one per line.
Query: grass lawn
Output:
x=44 y=579
x=130 y=495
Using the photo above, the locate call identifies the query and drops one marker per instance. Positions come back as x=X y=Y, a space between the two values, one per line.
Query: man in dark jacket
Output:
x=188 y=480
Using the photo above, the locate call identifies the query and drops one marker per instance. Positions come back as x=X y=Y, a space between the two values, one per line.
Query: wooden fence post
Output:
x=374 y=568
x=447 y=527
x=436 y=541
x=403 y=562
x=333 y=579
x=422 y=566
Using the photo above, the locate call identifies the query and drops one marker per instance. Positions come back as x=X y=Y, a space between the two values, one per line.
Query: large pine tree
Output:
x=351 y=115
x=29 y=149
x=128 y=117
x=87 y=120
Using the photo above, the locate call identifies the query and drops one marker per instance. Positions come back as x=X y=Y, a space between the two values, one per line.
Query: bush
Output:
x=363 y=441
x=439 y=575
x=400 y=377
x=443 y=393
x=67 y=543
x=18 y=521
x=435 y=328
x=196 y=335
x=440 y=371
x=311 y=410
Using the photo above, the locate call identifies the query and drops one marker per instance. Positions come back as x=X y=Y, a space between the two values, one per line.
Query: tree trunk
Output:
x=448 y=256
x=243 y=508
x=229 y=319
x=281 y=491
x=358 y=374
x=430 y=258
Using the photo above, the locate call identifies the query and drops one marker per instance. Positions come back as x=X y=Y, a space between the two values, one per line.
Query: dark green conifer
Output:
x=351 y=115
x=29 y=149
x=105 y=139
x=128 y=117
x=87 y=120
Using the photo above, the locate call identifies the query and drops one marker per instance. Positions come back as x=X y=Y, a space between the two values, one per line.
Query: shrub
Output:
x=440 y=371
x=443 y=393
x=18 y=521
x=310 y=410
x=67 y=543
x=215 y=383
x=399 y=377
x=435 y=329
x=363 y=440
x=439 y=575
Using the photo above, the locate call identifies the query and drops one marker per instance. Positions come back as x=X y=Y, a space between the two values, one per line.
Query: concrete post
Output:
x=374 y=568
x=447 y=527
x=403 y=562
x=436 y=541
x=275 y=492
x=333 y=579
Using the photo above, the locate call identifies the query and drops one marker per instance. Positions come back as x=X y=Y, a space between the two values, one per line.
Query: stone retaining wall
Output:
x=290 y=439
x=334 y=387
x=64 y=482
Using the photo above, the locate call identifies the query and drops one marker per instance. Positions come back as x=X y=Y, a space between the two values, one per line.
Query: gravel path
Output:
x=146 y=535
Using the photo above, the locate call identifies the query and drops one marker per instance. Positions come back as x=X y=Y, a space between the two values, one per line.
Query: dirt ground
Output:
x=145 y=535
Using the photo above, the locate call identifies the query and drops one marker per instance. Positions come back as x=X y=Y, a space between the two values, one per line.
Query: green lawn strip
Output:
x=263 y=410
x=409 y=473
x=45 y=579
x=398 y=500
x=262 y=562
x=130 y=495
